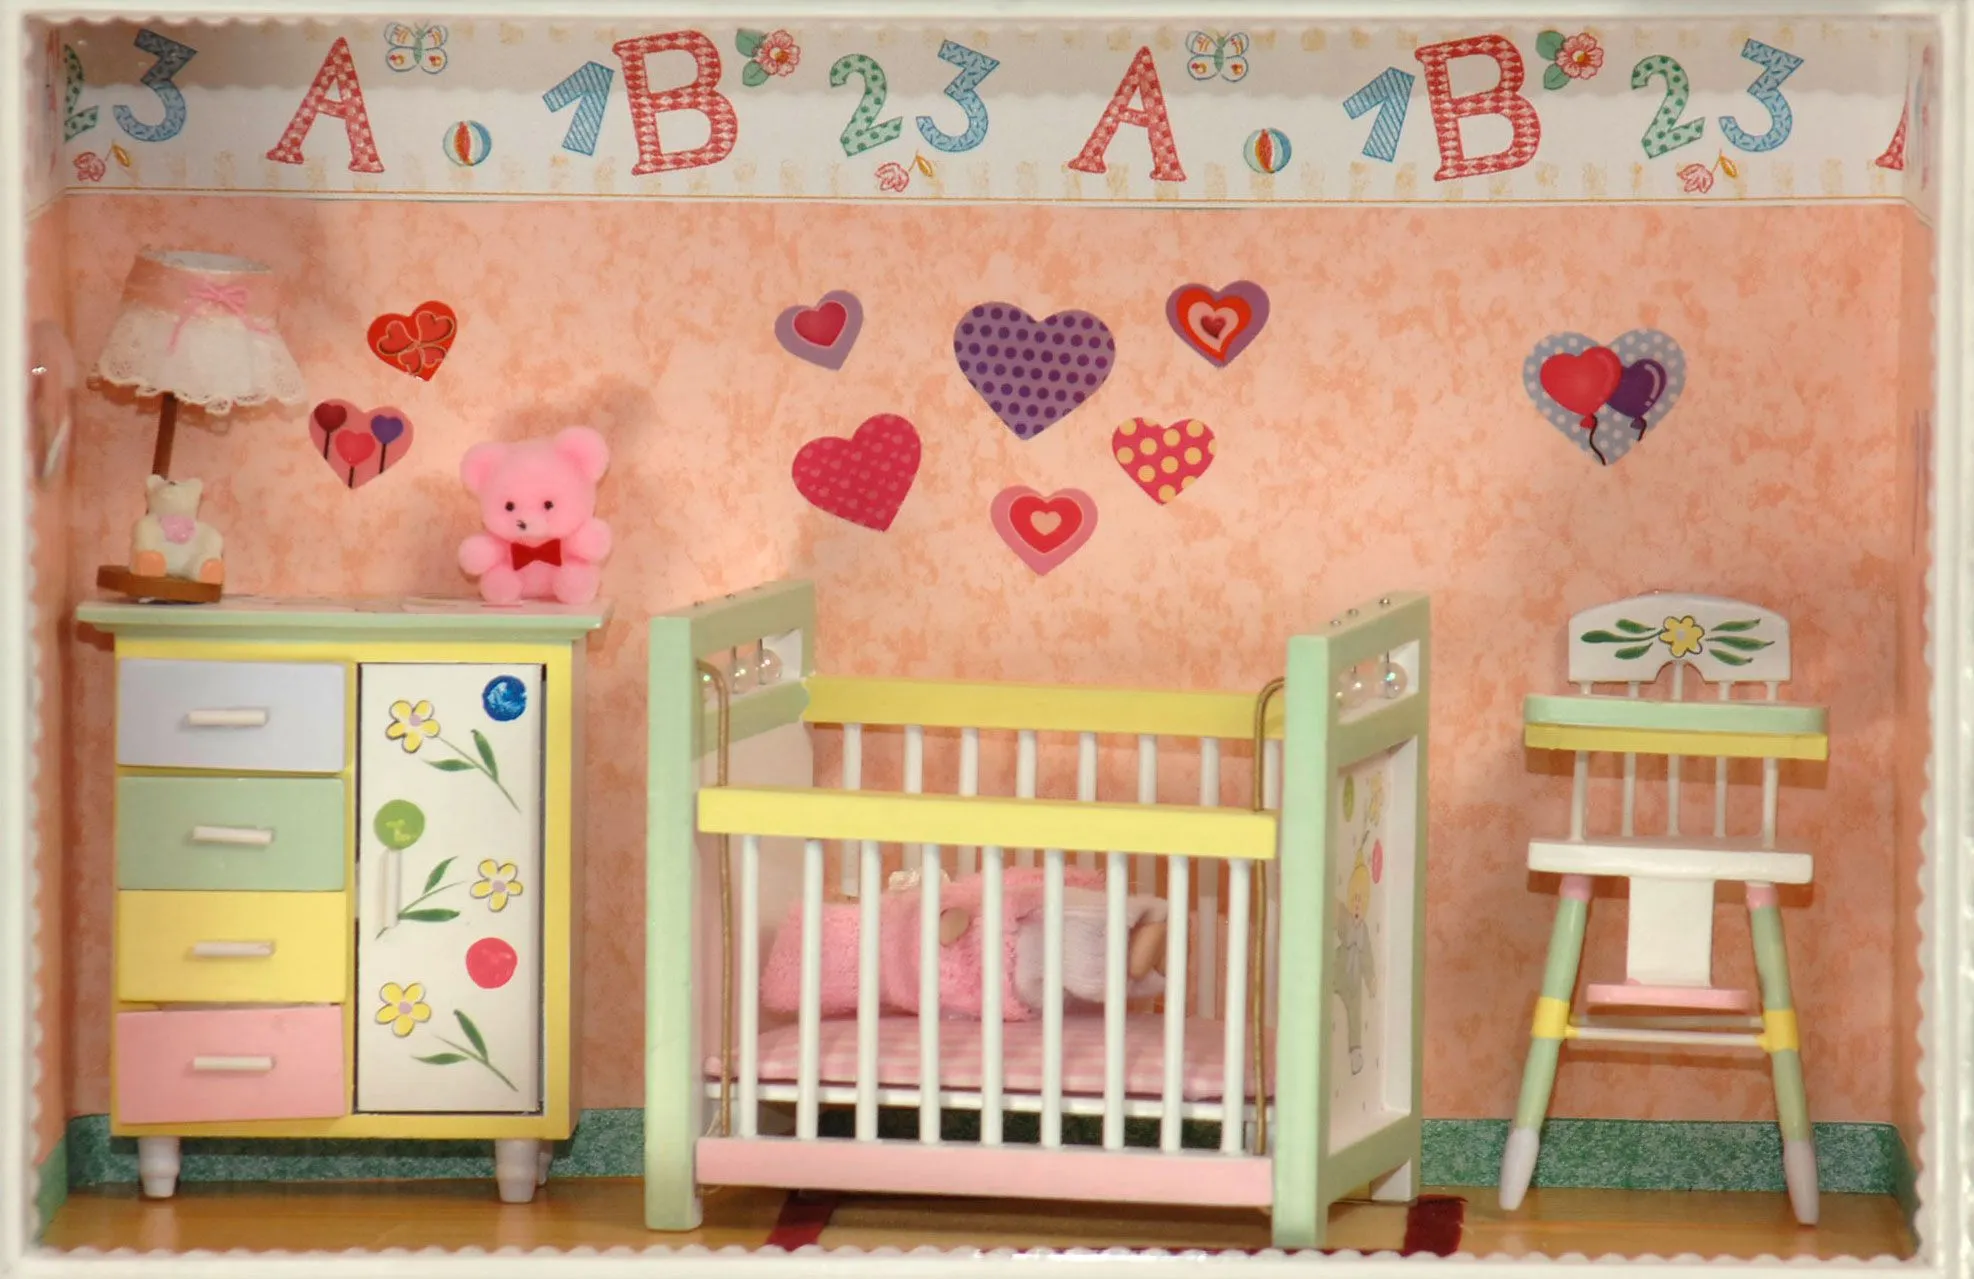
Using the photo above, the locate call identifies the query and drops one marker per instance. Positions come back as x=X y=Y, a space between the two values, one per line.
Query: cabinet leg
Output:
x=517 y=1165
x=543 y=1160
x=157 y=1166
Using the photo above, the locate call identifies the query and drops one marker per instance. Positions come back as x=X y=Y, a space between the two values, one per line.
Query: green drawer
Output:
x=251 y=834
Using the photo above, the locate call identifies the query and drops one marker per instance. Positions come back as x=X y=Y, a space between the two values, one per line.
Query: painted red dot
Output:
x=1377 y=861
x=491 y=962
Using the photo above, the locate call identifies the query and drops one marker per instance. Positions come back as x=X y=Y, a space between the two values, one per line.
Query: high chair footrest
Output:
x=1708 y=999
x=1738 y=861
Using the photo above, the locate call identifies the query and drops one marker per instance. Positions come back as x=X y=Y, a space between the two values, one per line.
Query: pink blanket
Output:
x=960 y=975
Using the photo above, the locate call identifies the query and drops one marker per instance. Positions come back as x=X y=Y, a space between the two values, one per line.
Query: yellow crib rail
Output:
x=1045 y=708
x=967 y=821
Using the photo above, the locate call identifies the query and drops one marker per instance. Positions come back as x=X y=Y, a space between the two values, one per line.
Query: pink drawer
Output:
x=230 y=1064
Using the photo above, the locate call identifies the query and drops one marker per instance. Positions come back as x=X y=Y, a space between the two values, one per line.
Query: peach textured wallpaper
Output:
x=47 y=292
x=1375 y=437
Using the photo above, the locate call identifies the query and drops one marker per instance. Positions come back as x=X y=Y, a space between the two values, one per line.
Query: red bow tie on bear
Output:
x=549 y=552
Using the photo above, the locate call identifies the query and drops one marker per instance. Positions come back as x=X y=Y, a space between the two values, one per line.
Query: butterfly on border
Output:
x=1211 y=54
x=421 y=47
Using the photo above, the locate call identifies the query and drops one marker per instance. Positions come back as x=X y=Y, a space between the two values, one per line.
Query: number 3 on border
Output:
x=974 y=67
x=1776 y=66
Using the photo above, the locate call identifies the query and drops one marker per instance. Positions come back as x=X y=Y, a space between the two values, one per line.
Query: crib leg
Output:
x=1552 y=1014
x=1400 y=1185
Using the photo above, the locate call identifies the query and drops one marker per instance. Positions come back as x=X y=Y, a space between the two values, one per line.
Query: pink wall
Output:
x=1376 y=437
x=48 y=300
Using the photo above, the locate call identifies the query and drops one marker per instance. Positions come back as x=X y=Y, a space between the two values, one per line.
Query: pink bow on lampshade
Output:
x=206 y=295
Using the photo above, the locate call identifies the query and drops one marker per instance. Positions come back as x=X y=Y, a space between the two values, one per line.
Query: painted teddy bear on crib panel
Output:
x=538 y=505
x=170 y=540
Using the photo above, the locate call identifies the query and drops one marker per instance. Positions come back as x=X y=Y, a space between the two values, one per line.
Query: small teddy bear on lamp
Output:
x=538 y=505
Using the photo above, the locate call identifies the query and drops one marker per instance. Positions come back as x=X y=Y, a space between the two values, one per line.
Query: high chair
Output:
x=1668 y=997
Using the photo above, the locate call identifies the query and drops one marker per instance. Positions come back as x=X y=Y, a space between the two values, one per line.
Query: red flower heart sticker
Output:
x=417 y=343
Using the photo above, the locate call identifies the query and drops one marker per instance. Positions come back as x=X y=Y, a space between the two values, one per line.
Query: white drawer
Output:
x=240 y=717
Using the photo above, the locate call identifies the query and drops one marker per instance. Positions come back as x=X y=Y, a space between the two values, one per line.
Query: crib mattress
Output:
x=1021 y=1054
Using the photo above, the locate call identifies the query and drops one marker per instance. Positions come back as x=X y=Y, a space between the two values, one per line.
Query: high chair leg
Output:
x=1552 y=1017
x=1780 y=1039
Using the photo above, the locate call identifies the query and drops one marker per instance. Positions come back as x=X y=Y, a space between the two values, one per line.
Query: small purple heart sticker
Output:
x=387 y=429
x=1031 y=372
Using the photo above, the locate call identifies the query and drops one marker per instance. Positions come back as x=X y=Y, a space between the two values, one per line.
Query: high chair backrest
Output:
x=1725 y=641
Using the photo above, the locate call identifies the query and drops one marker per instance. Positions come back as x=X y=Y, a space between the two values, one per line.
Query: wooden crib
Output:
x=1281 y=1067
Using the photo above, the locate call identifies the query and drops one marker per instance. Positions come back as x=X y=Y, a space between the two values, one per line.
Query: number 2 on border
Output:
x=1666 y=133
x=1776 y=66
x=974 y=67
x=864 y=132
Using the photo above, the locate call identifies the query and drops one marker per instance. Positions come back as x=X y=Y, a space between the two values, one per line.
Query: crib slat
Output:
x=1024 y=782
x=992 y=960
x=853 y=779
x=914 y=781
x=1235 y=1020
x=969 y=785
x=1086 y=786
x=808 y=1075
x=1145 y=873
x=928 y=997
x=869 y=890
x=1117 y=870
x=1175 y=1006
x=1051 y=997
x=750 y=984
x=1209 y=881
x=1271 y=792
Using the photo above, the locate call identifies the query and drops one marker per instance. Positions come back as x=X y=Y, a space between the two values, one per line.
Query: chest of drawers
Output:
x=348 y=844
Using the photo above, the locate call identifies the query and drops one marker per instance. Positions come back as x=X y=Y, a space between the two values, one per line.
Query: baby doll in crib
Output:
x=962 y=978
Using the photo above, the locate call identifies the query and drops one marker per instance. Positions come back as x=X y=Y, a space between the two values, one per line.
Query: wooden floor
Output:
x=608 y=1212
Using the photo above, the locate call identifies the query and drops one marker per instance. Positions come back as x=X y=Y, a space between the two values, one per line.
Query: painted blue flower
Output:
x=505 y=698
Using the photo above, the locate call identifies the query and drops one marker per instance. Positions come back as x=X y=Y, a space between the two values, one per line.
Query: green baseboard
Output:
x=1610 y=1154
x=51 y=1188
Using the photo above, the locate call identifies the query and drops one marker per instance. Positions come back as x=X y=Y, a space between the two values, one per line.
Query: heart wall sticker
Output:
x=1032 y=372
x=824 y=333
x=417 y=343
x=1218 y=323
x=1605 y=397
x=1164 y=461
x=1044 y=531
x=359 y=444
x=865 y=478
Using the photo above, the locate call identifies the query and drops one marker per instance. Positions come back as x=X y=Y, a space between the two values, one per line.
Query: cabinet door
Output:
x=449 y=916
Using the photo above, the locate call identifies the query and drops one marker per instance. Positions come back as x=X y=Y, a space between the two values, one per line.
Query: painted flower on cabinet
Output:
x=473 y=1050
x=498 y=882
x=404 y=1007
x=411 y=725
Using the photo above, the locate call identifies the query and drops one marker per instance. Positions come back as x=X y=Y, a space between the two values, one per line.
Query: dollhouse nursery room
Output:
x=984 y=631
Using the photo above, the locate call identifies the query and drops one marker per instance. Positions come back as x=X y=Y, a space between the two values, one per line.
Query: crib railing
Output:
x=932 y=824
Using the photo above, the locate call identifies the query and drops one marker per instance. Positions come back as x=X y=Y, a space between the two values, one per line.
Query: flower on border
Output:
x=892 y=176
x=90 y=167
x=1682 y=635
x=778 y=54
x=1697 y=178
x=1580 y=57
x=498 y=882
x=404 y=1007
x=411 y=725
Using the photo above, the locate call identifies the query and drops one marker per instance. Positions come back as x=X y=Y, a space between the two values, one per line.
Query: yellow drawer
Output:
x=232 y=948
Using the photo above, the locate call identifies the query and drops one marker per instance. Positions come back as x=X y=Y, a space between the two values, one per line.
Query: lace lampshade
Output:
x=199 y=327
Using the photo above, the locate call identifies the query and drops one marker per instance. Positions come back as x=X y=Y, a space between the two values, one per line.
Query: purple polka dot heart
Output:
x=1032 y=372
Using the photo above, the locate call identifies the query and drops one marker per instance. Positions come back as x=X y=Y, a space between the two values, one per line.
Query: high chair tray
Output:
x=1751 y=730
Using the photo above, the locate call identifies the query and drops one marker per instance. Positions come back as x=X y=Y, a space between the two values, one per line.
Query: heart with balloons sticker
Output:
x=1605 y=397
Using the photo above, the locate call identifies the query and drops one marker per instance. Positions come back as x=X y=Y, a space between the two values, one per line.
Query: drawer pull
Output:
x=233 y=1065
x=249 y=836
x=233 y=950
x=254 y=717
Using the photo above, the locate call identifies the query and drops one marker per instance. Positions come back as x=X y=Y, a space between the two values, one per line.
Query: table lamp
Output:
x=195 y=328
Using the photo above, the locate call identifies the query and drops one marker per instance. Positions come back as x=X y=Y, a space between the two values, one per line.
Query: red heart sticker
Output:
x=823 y=324
x=865 y=478
x=1044 y=531
x=417 y=343
x=1581 y=383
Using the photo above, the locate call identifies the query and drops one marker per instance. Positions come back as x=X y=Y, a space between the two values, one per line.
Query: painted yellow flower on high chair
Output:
x=411 y=725
x=498 y=882
x=1682 y=635
x=404 y=1007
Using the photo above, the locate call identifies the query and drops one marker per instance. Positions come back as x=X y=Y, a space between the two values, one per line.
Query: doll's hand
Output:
x=590 y=542
x=479 y=553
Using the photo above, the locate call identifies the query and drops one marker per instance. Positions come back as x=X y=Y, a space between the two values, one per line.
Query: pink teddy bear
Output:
x=538 y=502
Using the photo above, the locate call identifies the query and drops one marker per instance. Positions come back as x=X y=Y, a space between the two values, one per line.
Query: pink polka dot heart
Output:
x=865 y=478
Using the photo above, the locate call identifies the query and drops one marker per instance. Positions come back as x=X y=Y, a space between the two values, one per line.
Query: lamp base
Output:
x=158 y=590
